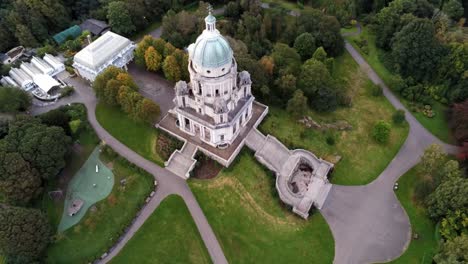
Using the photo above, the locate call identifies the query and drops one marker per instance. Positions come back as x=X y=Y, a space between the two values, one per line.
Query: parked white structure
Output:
x=43 y=66
x=109 y=49
x=37 y=76
x=217 y=102
x=56 y=64
x=22 y=78
x=8 y=81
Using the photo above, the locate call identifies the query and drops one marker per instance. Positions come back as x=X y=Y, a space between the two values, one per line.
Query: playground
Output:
x=92 y=183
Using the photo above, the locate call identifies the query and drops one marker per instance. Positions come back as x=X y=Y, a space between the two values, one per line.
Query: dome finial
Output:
x=210 y=20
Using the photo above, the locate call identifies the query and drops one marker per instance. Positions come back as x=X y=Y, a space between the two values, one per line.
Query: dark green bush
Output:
x=398 y=117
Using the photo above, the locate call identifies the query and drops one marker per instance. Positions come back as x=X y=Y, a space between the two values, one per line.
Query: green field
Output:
x=168 y=236
x=101 y=227
x=362 y=158
x=252 y=225
x=138 y=136
x=437 y=125
x=422 y=250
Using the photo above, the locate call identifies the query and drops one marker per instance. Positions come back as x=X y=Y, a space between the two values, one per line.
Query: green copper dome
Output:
x=211 y=51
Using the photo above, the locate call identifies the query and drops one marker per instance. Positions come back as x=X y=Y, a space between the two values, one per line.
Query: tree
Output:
x=432 y=160
x=24 y=234
x=171 y=69
x=152 y=59
x=286 y=85
x=314 y=74
x=415 y=50
x=43 y=147
x=100 y=82
x=297 y=105
x=111 y=92
x=320 y=54
x=57 y=117
x=141 y=49
x=381 y=132
x=329 y=36
x=148 y=111
x=268 y=64
x=14 y=100
x=19 y=183
x=305 y=45
x=286 y=59
x=450 y=196
x=454 y=224
x=399 y=116
x=454 y=251
x=454 y=9
x=25 y=37
x=126 y=79
x=459 y=121
x=119 y=18
x=168 y=49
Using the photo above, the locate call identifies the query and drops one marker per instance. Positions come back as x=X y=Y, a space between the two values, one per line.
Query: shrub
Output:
x=376 y=90
x=66 y=91
x=398 y=117
x=166 y=144
x=381 y=132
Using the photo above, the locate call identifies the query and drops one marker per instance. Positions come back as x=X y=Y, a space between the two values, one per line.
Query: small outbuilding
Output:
x=96 y=27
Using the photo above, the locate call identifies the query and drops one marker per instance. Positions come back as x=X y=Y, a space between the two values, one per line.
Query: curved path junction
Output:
x=367 y=222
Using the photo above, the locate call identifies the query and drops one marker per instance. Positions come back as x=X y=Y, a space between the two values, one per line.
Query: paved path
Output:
x=168 y=183
x=368 y=223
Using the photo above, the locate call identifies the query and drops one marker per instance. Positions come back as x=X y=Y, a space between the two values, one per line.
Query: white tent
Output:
x=45 y=82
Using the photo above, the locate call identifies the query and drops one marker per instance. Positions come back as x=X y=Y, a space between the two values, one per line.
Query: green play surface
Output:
x=88 y=186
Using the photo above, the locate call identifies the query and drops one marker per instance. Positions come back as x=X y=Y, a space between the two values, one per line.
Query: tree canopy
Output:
x=24 y=234
x=14 y=100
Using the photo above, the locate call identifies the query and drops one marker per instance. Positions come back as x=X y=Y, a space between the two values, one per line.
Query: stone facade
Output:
x=217 y=102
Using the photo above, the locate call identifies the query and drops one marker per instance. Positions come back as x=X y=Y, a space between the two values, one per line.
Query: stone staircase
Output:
x=182 y=161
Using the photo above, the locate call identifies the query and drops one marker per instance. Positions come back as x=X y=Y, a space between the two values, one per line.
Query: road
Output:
x=168 y=183
x=368 y=222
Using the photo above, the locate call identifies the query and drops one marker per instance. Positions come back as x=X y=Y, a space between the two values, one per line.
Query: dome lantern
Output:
x=210 y=20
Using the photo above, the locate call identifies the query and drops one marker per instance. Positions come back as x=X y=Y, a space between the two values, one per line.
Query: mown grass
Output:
x=421 y=250
x=363 y=159
x=437 y=125
x=138 y=136
x=252 y=225
x=168 y=236
x=100 y=228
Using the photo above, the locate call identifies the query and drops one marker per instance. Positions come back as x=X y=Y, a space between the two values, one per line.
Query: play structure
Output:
x=92 y=183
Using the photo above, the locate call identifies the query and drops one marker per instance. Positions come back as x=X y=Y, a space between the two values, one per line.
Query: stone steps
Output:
x=181 y=161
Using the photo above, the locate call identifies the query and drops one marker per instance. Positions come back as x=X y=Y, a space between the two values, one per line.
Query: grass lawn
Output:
x=168 y=236
x=362 y=158
x=351 y=29
x=138 y=136
x=250 y=222
x=100 y=228
x=422 y=250
x=437 y=125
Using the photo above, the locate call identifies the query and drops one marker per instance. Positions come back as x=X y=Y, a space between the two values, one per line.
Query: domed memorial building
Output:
x=217 y=102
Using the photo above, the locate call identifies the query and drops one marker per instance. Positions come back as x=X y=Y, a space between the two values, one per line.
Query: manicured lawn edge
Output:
x=420 y=250
x=438 y=125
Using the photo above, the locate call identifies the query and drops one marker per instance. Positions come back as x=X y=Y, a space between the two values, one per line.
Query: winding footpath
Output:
x=168 y=183
x=367 y=222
